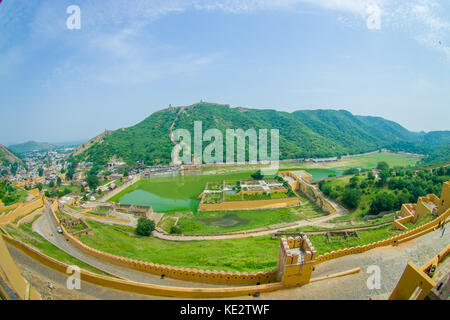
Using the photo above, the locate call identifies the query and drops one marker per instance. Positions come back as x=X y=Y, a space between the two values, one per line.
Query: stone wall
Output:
x=404 y=237
x=312 y=192
x=173 y=272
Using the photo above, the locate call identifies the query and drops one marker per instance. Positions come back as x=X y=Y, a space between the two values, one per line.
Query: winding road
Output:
x=47 y=228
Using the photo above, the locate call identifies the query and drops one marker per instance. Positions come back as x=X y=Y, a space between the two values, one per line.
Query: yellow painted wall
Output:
x=445 y=198
x=413 y=277
x=173 y=272
x=12 y=276
x=21 y=211
x=406 y=236
x=312 y=192
x=144 y=288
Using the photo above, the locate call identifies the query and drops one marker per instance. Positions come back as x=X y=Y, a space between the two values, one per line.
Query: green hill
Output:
x=303 y=134
x=31 y=146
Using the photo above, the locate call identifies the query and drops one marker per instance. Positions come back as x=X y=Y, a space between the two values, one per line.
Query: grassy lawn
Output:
x=77 y=209
x=212 y=197
x=339 y=242
x=367 y=161
x=167 y=222
x=25 y=234
x=101 y=211
x=229 y=221
x=233 y=197
x=245 y=255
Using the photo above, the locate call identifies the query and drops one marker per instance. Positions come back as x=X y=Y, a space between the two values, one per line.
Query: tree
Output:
x=145 y=227
x=39 y=186
x=14 y=168
x=40 y=172
x=383 y=165
x=58 y=181
x=354 y=182
x=51 y=184
x=70 y=173
x=364 y=184
x=351 y=198
x=383 y=202
x=384 y=175
x=371 y=176
x=257 y=175
x=351 y=171
x=92 y=181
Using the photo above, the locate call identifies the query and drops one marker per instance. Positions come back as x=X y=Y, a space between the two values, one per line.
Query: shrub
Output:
x=145 y=227
x=175 y=230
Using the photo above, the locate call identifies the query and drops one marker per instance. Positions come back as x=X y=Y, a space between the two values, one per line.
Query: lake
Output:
x=180 y=194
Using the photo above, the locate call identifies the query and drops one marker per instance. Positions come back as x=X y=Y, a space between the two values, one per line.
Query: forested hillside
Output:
x=303 y=134
x=30 y=146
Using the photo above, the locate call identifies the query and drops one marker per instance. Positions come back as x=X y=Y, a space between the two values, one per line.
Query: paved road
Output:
x=39 y=275
x=391 y=260
x=46 y=227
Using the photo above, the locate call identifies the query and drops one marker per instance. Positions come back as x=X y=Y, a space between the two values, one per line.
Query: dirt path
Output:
x=243 y=234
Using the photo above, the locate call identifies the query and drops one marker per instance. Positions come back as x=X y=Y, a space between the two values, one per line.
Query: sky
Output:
x=128 y=59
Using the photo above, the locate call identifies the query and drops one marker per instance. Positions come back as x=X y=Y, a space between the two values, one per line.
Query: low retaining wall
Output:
x=173 y=272
x=144 y=288
x=13 y=206
x=119 y=189
x=313 y=193
x=406 y=236
x=21 y=211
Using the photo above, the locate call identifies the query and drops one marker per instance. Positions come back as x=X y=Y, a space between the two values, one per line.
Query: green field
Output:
x=366 y=161
x=244 y=255
x=250 y=254
x=230 y=221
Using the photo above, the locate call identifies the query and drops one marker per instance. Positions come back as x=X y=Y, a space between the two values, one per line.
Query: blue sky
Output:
x=130 y=58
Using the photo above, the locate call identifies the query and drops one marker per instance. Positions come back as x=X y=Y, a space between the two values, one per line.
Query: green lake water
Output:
x=180 y=194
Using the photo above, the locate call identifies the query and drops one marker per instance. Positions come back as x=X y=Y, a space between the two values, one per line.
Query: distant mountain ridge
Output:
x=303 y=133
x=31 y=146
